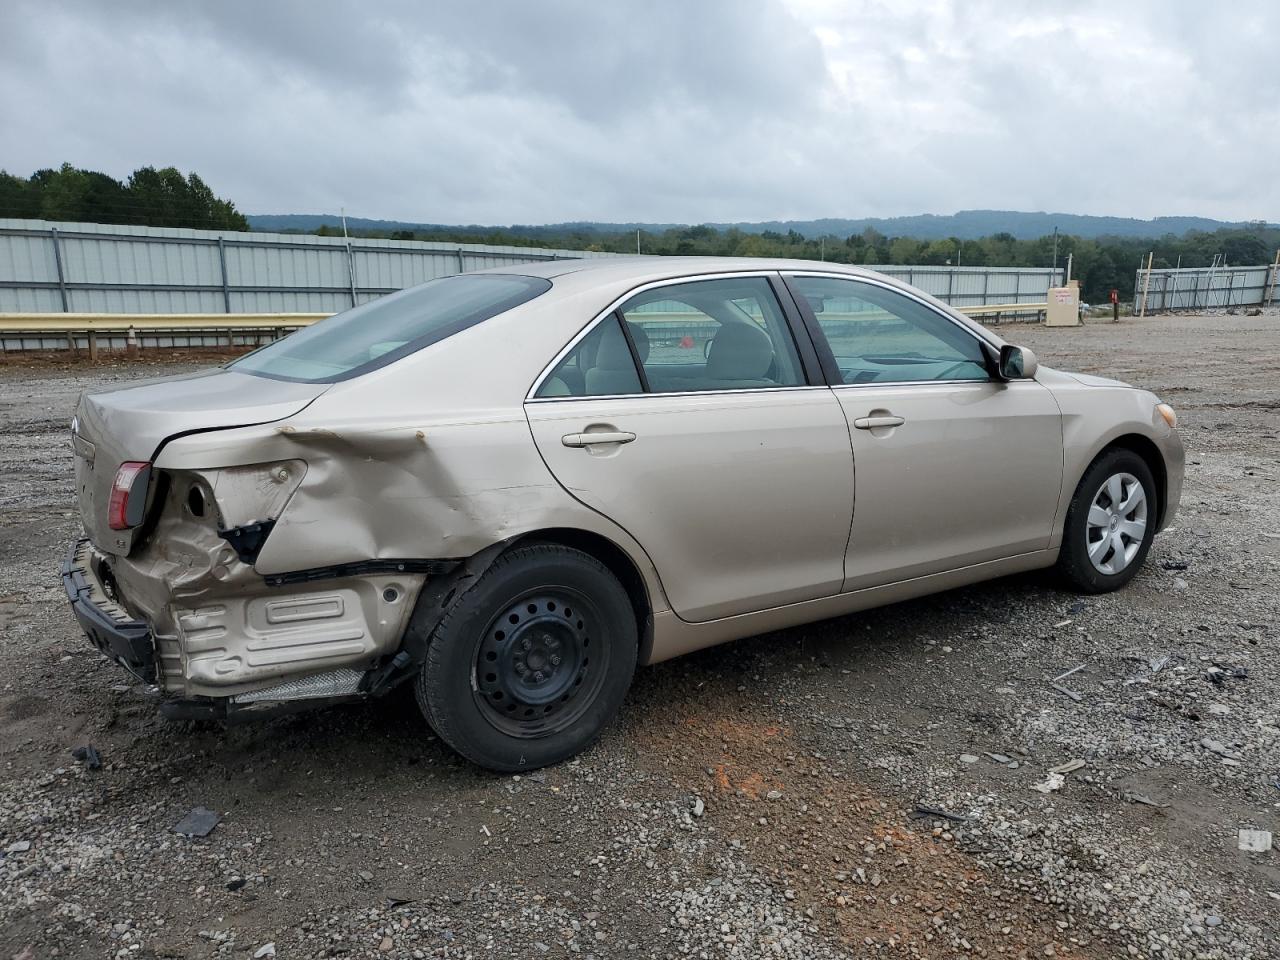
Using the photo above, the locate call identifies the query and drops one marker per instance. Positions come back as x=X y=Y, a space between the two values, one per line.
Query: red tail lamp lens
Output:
x=128 y=495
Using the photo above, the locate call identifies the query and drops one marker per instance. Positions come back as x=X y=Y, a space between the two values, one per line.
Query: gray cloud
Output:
x=554 y=110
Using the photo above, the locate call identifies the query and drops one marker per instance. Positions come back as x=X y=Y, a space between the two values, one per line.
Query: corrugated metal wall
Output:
x=1199 y=288
x=109 y=268
x=977 y=286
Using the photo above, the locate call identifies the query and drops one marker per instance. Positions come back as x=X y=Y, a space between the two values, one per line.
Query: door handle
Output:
x=871 y=423
x=590 y=439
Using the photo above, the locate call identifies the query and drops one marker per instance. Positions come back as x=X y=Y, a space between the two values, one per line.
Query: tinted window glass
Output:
x=599 y=366
x=713 y=335
x=881 y=336
x=377 y=333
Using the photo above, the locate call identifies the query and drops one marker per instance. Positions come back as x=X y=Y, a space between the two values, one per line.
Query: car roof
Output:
x=631 y=267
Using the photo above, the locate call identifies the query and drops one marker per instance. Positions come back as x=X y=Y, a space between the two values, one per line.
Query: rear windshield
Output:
x=382 y=331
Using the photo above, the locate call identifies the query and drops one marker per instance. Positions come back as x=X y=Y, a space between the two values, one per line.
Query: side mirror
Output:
x=1016 y=363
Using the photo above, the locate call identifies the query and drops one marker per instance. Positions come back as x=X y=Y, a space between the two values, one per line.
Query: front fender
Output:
x=1100 y=414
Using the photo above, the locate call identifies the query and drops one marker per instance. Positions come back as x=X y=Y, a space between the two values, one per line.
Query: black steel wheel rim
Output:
x=540 y=663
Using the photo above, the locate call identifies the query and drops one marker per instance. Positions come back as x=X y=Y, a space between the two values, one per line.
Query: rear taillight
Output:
x=128 y=495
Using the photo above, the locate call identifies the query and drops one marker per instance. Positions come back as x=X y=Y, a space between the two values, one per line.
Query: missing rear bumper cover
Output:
x=107 y=625
x=247 y=540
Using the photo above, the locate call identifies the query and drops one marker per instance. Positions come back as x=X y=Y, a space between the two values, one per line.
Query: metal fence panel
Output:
x=108 y=268
x=1204 y=288
x=976 y=286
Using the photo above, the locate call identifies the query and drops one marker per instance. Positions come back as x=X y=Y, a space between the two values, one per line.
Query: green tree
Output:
x=150 y=197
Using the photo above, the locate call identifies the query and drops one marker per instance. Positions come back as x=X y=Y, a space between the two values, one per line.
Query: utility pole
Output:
x=637 y=241
x=342 y=212
x=1055 y=253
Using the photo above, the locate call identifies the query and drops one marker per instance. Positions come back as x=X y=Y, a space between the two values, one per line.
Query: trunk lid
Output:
x=132 y=422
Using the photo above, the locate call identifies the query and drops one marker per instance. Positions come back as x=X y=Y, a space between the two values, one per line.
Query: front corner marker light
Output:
x=1167 y=413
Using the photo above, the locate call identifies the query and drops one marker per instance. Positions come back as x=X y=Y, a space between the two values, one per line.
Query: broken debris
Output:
x=198 y=823
x=89 y=756
x=1070 y=693
x=1255 y=841
x=1062 y=676
x=1071 y=766
x=922 y=811
x=1143 y=799
x=1054 y=782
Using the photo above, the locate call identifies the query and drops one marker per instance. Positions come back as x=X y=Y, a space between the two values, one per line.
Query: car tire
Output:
x=532 y=662
x=1091 y=559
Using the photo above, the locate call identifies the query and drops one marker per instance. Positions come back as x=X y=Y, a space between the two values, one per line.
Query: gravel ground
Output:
x=756 y=800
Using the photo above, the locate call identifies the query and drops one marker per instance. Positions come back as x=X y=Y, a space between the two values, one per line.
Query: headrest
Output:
x=739 y=351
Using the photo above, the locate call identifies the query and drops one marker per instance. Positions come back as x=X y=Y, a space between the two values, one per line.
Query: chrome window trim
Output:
x=731 y=392
x=908 y=383
x=975 y=330
x=531 y=396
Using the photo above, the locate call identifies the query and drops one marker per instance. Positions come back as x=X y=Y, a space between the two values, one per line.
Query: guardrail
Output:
x=999 y=309
x=44 y=331
x=63 y=323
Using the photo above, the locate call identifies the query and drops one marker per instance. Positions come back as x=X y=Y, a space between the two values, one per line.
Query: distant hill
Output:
x=966 y=225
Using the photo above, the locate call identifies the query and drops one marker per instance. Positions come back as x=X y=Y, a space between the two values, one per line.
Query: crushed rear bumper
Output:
x=107 y=625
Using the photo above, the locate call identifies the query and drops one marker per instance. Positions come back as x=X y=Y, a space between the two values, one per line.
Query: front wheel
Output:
x=1110 y=523
x=533 y=662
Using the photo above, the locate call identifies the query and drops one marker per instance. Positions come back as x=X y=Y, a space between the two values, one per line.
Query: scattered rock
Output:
x=1220 y=748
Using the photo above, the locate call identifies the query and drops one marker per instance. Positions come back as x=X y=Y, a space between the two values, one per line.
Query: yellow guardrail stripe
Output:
x=61 y=323
x=118 y=322
x=1003 y=308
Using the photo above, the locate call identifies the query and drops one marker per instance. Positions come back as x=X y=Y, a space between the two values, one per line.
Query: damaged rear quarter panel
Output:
x=430 y=457
x=219 y=629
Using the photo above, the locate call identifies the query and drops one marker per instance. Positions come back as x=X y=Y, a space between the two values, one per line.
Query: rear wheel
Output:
x=1110 y=523
x=533 y=662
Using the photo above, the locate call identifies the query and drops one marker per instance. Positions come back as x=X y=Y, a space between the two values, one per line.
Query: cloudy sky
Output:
x=658 y=110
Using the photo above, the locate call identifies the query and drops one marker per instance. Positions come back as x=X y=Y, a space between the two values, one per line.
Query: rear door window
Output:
x=721 y=334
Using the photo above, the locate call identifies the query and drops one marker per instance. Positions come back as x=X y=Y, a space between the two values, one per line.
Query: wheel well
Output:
x=619 y=564
x=1150 y=454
